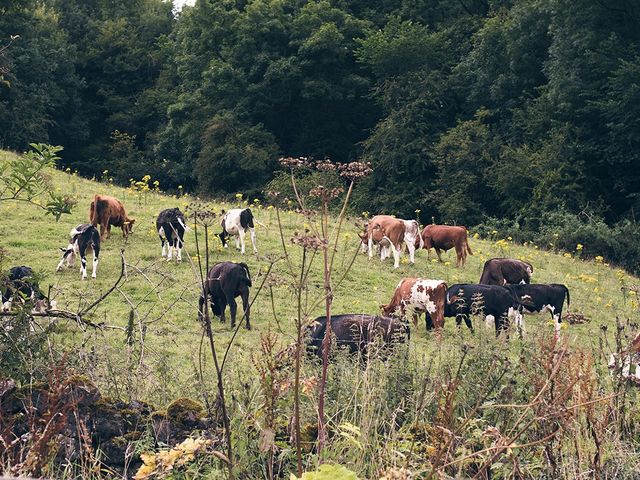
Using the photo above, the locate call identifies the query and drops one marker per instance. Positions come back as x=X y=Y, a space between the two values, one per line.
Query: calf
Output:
x=225 y=281
x=355 y=332
x=502 y=271
x=107 y=211
x=445 y=237
x=82 y=238
x=389 y=233
x=464 y=300
x=171 y=226
x=538 y=298
x=419 y=296
x=21 y=284
x=236 y=222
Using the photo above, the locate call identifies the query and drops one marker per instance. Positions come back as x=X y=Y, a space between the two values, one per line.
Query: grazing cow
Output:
x=445 y=237
x=538 y=298
x=82 y=238
x=492 y=301
x=355 y=332
x=503 y=271
x=236 y=222
x=389 y=233
x=107 y=211
x=226 y=281
x=419 y=295
x=171 y=226
x=626 y=364
x=21 y=284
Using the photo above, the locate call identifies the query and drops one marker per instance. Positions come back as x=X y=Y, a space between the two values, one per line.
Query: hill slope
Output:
x=165 y=295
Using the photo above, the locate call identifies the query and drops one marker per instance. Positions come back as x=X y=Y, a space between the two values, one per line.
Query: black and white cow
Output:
x=236 y=222
x=171 y=226
x=226 y=281
x=21 y=284
x=492 y=301
x=82 y=238
x=538 y=298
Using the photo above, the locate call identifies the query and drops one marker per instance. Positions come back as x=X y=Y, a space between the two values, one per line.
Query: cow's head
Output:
x=223 y=237
x=128 y=226
x=69 y=255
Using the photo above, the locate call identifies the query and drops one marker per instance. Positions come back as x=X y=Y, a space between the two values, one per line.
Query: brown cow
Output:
x=445 y=237
x=107 y=211
x=419 y=295
x=388 y=233
x=502 y=271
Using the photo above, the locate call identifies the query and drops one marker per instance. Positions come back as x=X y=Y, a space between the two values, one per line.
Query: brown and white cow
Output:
x=107 y=211
x=445 y=237
x=417 y=296
x=389 y=233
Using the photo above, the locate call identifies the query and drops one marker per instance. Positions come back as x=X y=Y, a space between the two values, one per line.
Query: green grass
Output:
x=166 y=294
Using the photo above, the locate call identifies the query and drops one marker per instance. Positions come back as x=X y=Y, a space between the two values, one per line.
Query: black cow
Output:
x=21 y=284
x=464 y=300
x=355 y=332
x=82 y=238
x=171 y=226
x=236 y=222
x=538 y=298
x=225 y=281
x=502 y=271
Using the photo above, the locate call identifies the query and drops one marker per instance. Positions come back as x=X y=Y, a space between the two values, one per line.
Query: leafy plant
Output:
x=24 y=179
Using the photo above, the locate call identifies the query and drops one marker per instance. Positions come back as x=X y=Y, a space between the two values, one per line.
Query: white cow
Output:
x=236 y=222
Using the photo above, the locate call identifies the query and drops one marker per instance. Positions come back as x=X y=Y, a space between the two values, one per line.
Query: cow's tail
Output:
x=466 y=242
x=419 y=234
x=568 y=297
x=246 y=270
x=92 y=212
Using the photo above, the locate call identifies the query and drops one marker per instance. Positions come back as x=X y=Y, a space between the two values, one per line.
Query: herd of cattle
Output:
x=502 y=295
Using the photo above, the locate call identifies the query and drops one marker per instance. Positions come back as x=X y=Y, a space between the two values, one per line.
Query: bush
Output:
x=618 y=244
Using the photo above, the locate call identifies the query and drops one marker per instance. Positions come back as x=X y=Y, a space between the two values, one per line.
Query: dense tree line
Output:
x=467 y=109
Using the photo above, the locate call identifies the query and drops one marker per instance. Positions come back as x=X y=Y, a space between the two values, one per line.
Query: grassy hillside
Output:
x=166 y=294
x=162 y=357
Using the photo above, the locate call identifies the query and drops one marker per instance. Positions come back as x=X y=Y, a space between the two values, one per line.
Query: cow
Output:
x=419 y=295
x=503 y=271
x=492 y=301
x=355 y=332
x=82 y=238
x=538 y=298
x=226 y=281
x=445 y=237
x=389 y=233
x=236 y=222
x=626 y=364
x=171 y=226
x=107 y=211
x=21 y=284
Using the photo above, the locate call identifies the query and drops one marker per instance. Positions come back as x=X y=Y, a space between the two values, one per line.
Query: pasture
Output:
x=160 y=358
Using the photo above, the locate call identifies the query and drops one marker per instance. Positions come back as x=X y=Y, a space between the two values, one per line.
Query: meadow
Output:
x=151 y=346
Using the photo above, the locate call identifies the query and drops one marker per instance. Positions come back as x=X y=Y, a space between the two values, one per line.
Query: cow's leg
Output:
x=438 y=253
x=109 y=230
x=458 y=257
x=246 y=307
x=201 y=306
x=103 y=231
x=428 y=321
x=83 y=262
x=241 y=237
x=179 y=254
x=396 y=255
x=162 y=235
x=233 y=308
x=65 y=256
x=370 y=247
x=412 y=251
x=252 y=231
x=94 y=270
